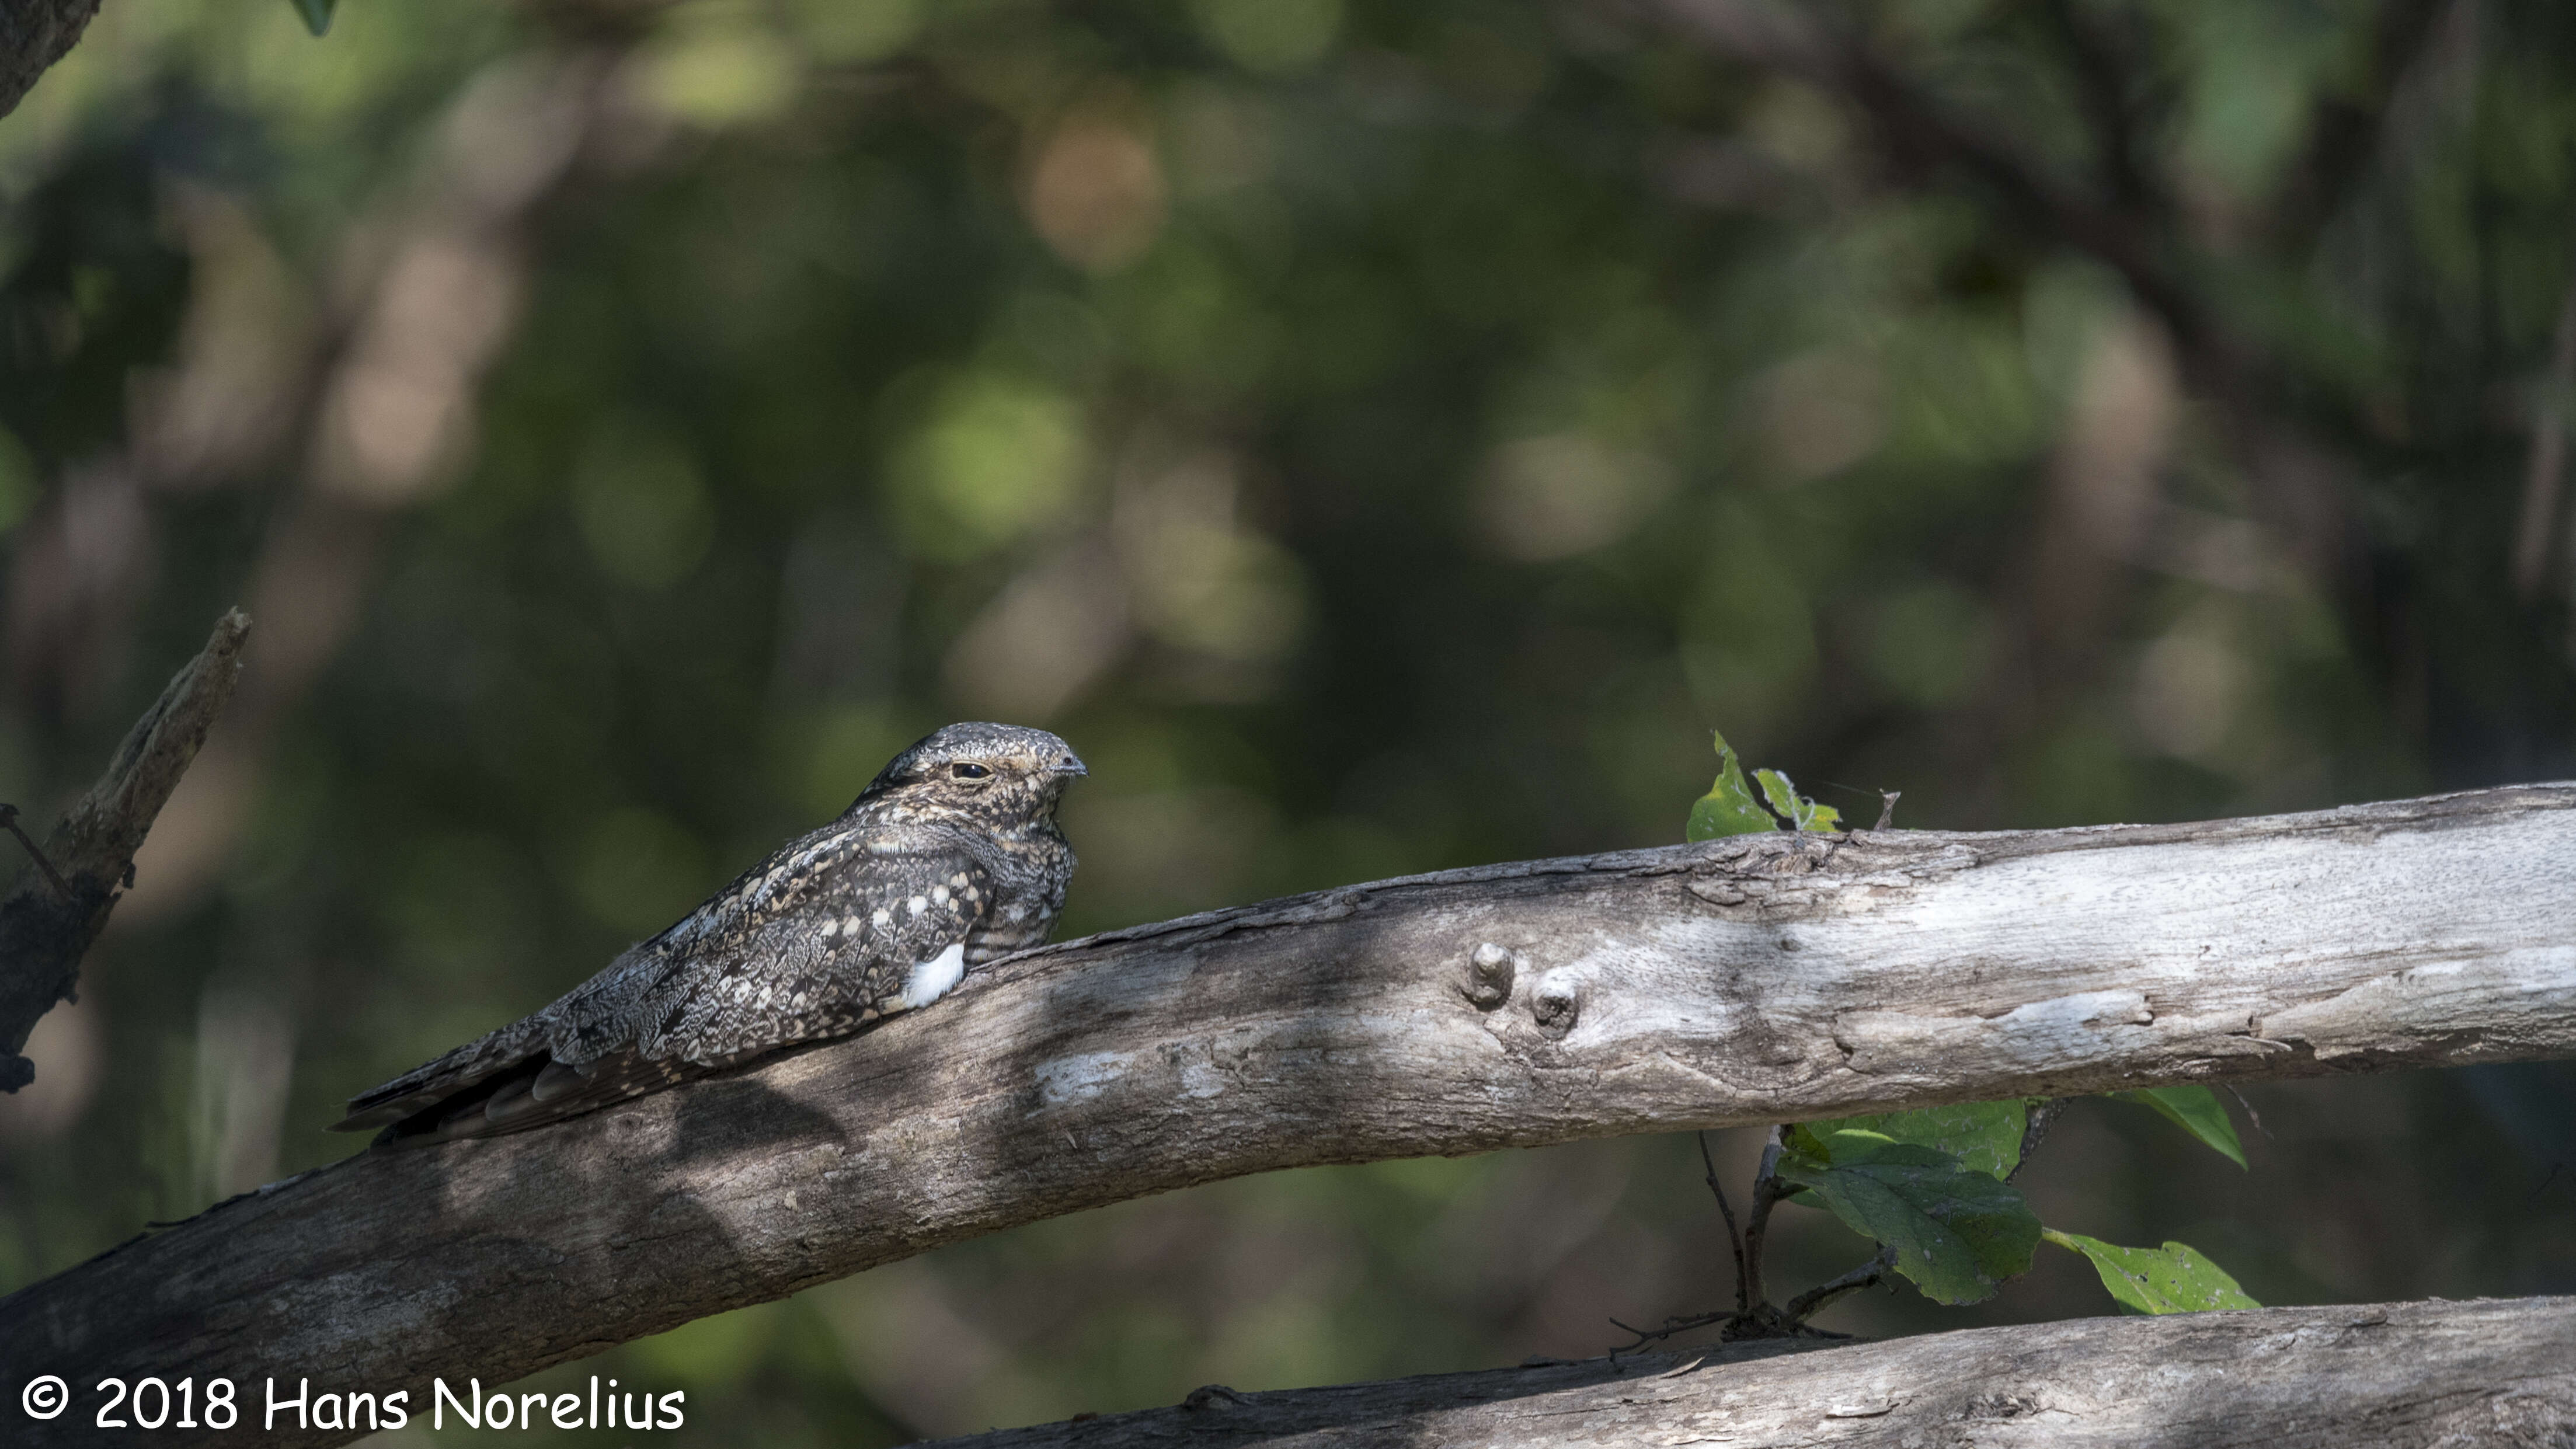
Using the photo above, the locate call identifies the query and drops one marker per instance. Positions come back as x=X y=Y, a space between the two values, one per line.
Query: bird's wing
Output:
x=777 y=959
x=436 y=1081
x=476 y=1070
x=823 y=962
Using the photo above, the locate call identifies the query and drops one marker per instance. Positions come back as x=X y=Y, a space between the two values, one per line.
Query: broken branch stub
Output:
x=62 y=899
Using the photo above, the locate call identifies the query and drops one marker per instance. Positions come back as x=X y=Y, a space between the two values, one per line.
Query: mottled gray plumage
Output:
x=949 y=858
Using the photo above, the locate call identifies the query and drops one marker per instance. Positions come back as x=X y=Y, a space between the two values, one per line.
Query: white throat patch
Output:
x=931 y=979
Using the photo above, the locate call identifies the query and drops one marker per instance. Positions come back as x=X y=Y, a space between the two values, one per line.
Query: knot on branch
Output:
x=1489 y=976
x=1555 y=1002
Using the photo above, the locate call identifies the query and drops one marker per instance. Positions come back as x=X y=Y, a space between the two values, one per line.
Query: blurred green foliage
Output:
x=1380 y=437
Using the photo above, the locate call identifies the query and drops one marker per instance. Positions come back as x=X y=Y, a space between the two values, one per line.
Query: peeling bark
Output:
x=1756 y=979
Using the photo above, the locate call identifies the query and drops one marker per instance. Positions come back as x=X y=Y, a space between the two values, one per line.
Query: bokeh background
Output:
x=1382 y=437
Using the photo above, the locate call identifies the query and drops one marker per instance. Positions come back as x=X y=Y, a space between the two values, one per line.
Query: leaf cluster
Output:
x=1734 y=806
x=1934 y=1186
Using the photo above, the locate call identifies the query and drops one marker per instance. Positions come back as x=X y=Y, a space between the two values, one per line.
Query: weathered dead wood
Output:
x=1749 y=980
x=62 y=900
x=2390 y=1375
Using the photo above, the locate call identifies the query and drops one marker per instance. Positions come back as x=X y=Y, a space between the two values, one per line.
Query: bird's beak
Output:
x=1068 y=767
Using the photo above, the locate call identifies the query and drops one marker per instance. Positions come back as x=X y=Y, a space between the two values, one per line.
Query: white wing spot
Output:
x=917 y=904
x=958 y=880
x=939 y=895
x=851 y=923
x=1016 y=913
x=931 y=979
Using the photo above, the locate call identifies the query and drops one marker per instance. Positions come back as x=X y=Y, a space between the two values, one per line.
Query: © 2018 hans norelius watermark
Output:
x=217 y=1403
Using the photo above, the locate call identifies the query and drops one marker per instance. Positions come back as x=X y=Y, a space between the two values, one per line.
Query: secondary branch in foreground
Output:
x=1752 y=980
x=2391 y=1375
x=33 y=35
x=63 y=896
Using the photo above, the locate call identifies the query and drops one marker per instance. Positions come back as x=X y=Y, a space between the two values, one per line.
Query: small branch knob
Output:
x=1489 y=976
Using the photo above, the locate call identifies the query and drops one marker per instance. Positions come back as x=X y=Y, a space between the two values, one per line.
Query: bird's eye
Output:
x=969 y=772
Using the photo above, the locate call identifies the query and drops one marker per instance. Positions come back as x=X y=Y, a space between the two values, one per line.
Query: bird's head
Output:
x=994 y=773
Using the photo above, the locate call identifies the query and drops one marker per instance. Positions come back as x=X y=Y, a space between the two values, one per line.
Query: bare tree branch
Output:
x=2346 y=133
x=1734 y=1235
x=2300 y=482
x=2103 y=84
x=1767 y=1192
x=1750 y=980
x=1824 y=1295
x=2393 y=1375
x=62 y=901
x=1917 y=130
x=2542 y=478
x=33 y=35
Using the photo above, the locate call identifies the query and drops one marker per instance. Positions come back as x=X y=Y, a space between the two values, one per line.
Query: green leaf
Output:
x=2197 y=1111
x=316 y=13
x=1957 y=1232
x=1983 y=1135
x=1816 y=1143
x=2172 y=1279
x=1729 y=807
x=1795 y=808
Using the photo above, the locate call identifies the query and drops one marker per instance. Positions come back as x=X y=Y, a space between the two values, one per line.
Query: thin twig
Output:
x=1732 y=1328
x=1757 y=1222
x=1671 y=1326
x=1752 y=1316
x=2250 y=1114
x=2555 y=1168
x=1734 y=1239
x=1815 y=1300
x=1887 y=808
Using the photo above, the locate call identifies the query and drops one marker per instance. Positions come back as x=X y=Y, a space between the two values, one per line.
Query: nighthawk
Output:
x=949 y=858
